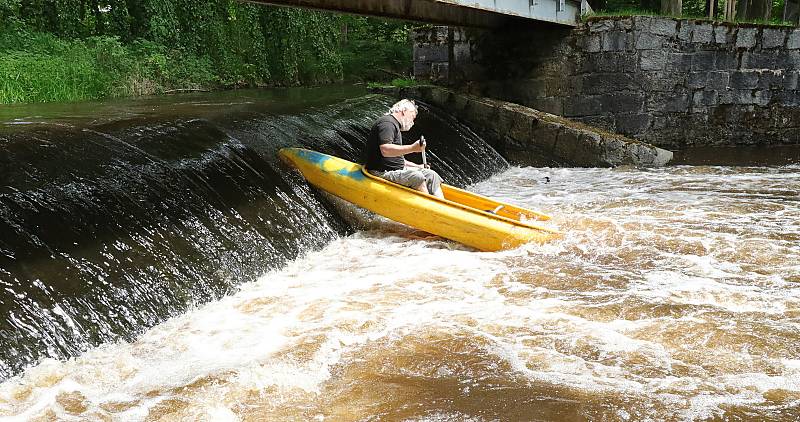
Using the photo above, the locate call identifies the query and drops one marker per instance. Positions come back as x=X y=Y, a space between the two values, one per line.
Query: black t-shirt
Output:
x=386 y=130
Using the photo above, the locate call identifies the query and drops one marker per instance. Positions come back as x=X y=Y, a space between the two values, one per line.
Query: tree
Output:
x=650 y=5
x=671 y=7
x=730 y=10
x=711 y=8
x=597 y=4
x=754 y=10
x=759 y=10
x=791 y=11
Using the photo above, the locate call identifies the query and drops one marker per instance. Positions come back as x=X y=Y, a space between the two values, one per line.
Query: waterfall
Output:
x=109 y=228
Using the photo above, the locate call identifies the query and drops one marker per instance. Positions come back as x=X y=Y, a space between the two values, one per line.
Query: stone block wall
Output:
x=673 y=83
x=439 y=50
x=526 y=136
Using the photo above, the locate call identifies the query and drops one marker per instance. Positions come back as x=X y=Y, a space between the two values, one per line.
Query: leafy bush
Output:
x=376 y=49
x=70 y=50
x=690 y=9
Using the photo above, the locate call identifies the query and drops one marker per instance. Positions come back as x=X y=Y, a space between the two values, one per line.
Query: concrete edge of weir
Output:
x=522 y=134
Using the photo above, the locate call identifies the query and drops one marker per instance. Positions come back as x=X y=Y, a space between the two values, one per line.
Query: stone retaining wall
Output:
x=673 y=83
x=530 y=137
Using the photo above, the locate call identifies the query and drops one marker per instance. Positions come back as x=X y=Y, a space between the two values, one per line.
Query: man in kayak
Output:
x=385 y=151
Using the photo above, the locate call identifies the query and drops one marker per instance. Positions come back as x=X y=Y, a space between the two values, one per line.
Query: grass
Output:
x=395 y=83
x=49 y=70
x=621 y=13
x=39 y=67
x=773 y=22
x=33 y=78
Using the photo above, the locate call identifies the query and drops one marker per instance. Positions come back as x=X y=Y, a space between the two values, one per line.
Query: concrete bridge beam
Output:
x=468 y=13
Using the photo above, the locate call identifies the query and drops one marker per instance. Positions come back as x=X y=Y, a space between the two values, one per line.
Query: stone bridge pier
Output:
x=673 y=83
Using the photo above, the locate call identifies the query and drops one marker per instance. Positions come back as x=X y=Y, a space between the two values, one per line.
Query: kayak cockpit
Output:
x=477 y=203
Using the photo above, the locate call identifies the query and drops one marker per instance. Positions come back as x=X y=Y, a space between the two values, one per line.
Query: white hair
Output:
x=403 y=105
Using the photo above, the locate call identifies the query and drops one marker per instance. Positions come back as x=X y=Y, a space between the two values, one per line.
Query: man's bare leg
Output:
x=423 y=188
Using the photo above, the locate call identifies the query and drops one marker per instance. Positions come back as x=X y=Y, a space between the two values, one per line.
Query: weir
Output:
x=109 y=228
x=670 y=283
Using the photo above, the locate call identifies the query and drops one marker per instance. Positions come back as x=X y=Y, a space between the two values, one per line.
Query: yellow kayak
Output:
x=465 y=217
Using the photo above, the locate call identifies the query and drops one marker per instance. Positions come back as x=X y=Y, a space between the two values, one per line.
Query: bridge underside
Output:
x=470 y=13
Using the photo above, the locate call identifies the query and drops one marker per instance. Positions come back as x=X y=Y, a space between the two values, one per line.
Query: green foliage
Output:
x=9 y=12
x=694 y=8
x=396 y=83
x=134 y=47
x=404 y=83
x=155 y=69
x=301 y=45
x=623 y=12
x=690 y=9
x=374 y=49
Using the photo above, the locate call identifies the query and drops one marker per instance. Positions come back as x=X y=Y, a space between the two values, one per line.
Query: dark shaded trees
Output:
x=754 y=10
x=791 y=11
x=246 y=44
x=671 y=7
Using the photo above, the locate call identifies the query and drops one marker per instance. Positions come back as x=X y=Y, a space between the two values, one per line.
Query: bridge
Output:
x=467 y=13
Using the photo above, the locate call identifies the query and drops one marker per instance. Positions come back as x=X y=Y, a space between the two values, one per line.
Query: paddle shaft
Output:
x=424 y=157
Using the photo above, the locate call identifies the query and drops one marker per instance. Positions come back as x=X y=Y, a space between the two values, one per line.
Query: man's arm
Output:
x=394 y=150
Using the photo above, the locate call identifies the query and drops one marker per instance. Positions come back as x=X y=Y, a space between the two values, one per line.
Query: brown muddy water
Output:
x=675 y=295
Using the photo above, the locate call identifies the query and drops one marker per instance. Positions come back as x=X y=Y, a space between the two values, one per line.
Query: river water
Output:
x=675 y=294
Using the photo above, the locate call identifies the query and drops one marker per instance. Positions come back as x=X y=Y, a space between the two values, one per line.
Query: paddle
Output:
x=424 y=157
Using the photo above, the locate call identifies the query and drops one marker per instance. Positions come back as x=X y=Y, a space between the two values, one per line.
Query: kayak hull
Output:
x=459 y=221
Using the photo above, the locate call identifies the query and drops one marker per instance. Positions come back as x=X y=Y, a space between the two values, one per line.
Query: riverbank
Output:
x=248 y=46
